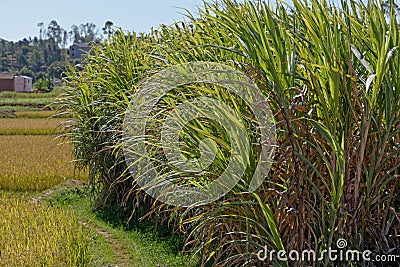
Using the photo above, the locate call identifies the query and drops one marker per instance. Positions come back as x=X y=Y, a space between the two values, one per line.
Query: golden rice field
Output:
x=35 y=162
x=27 y=126
x=39 y=114
x=32 y=159
x=38 y=235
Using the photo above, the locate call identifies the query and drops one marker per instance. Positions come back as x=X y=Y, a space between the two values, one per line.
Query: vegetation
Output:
x=41 y=102
x=144 y=244
x=47 y=218
x=32 y=157
x=28 y=126
x=330 y=77
x=19 y=95
x=35 y=162
x=44 y=57
x=36 y=235
x=44 y=114
x=8 y=111
x=11 y=102
x=35 y=58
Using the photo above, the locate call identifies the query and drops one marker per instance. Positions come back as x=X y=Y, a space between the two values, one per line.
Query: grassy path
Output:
x=120 y=257
x=113 y=245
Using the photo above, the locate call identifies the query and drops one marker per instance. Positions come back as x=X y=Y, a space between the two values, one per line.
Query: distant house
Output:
x=6 y=82
x=10 y=82
x=77 y=50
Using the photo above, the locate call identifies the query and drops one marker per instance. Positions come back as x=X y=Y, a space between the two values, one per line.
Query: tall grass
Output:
x=97 y=98
x=329 y=74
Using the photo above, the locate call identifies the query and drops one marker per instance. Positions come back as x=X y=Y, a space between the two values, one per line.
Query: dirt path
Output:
x=121 y=256
x=119 y=248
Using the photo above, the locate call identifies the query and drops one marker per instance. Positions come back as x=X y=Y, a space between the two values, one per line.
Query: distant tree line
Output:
x=44 y=57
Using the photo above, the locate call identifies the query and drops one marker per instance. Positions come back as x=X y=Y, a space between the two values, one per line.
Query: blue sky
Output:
x=19 y=19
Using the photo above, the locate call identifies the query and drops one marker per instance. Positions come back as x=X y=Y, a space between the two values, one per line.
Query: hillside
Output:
x=45 y=57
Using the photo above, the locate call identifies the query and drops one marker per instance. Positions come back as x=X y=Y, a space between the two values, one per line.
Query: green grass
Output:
x=101 y=252
x=145 y=245
x=16 y=95
x=7 y=114
x=25 y=101
x=40 y=114
x=21 y=108
x=13 y=101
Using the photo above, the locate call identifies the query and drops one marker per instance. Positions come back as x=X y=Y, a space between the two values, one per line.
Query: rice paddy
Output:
x=32 y=160
x=45 y=114
x=33 y=95
x=32 y=156
x=25 y=101
x=35 y=162
x=28 y=126
x=20 y=108
x=32 y=234
x=46 y=216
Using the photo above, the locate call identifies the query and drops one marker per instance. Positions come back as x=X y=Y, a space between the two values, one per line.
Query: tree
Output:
x=75 y=34
x=44 y=83
x=45 y=55
x=84 y=33
x=64 y=39
x=35 y=40
x=2 y=48
x=387 y=4
x=21 y=59
x=42 y=31
x=55 y=32
x=27 y=72
x=88 y=31
x=56 y=69
x=107 y=29
x=36 y=59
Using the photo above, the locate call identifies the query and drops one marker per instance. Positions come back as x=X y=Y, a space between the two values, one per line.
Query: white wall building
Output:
x=22 y=84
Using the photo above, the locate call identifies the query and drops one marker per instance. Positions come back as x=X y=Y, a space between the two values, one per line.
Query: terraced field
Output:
x=33 y=159
x=47 y=217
